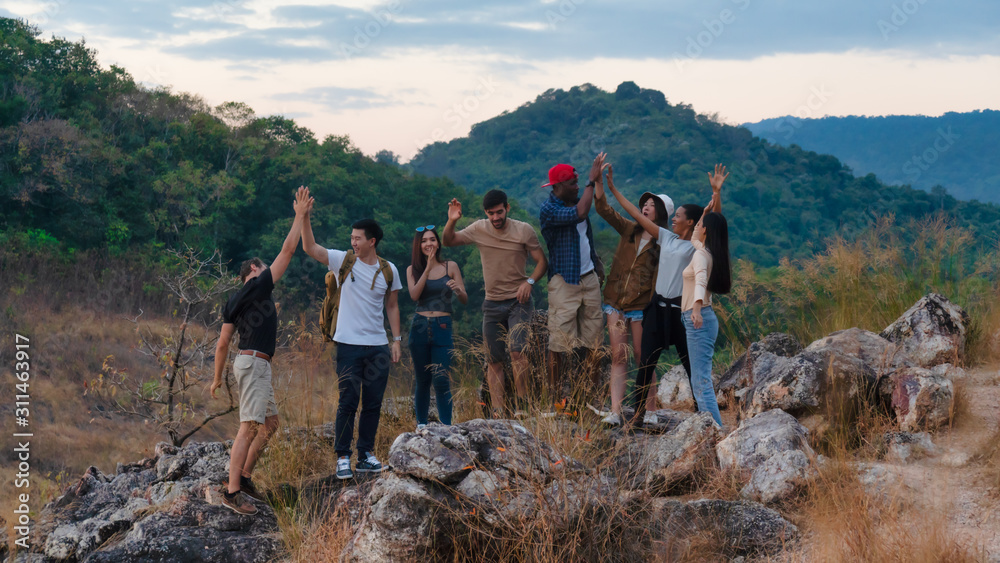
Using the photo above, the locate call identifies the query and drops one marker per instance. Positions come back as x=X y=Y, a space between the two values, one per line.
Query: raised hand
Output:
x=454 y=210
x=611 y=180
x=718 y=177
x=303 y=203
x=596 y=167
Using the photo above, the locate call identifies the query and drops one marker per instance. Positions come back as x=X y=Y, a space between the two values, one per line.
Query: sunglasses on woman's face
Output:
x=427 y=228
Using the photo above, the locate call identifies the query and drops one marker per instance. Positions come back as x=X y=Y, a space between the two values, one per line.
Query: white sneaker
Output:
x=650 y=418
x=344 y=468
x=421 y=427
x=612 y=420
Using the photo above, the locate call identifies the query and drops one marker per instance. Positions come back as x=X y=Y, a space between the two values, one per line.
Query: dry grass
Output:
x=843 y=521
x=989 y=456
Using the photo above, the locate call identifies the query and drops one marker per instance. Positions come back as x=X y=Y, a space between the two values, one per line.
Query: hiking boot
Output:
x=344 y=468
x=650 y=418
x=370 y=464
x=612 y=419
x=238 y=503
x=246 y=485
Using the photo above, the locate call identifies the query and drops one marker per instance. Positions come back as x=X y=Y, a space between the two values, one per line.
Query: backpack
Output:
x=331 y=303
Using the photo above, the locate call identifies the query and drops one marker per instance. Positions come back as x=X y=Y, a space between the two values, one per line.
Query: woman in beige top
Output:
x=707 y=273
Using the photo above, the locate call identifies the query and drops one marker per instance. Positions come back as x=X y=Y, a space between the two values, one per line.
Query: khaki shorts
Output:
x=575 y=315
x=253 y=377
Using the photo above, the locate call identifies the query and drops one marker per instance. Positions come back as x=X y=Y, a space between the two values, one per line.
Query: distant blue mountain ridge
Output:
x=956 y=151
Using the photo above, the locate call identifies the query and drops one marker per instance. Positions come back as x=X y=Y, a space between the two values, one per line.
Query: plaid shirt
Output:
x=559 y=222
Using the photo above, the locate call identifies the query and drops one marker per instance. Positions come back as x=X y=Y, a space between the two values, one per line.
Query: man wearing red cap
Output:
x=575 y=272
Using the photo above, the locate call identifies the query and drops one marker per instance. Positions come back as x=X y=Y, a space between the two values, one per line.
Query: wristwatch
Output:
x=591 y=184
x=397 y=338
x=530 y=281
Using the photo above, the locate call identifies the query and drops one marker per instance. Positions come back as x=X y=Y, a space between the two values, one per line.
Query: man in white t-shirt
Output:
x=363 y=352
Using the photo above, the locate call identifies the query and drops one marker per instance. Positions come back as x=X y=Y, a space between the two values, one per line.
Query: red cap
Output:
x=560 y=173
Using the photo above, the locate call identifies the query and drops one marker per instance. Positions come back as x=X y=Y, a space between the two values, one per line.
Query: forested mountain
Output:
x=93 y=161
x=781 y=202
x=956 y=151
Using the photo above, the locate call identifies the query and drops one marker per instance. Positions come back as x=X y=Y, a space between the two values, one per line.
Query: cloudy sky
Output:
x=398 y=74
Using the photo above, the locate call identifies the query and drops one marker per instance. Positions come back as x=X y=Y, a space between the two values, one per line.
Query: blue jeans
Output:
x=430 y=347
x=700 y=347
x=362 y=373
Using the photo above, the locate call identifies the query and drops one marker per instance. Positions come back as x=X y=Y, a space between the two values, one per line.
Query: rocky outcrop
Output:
x=762 y=446
x=675 y=461
x=931 y=332
x=781 y=477
x=907 y=446
x=851 y=363
x=675 y=389
x=156 y=509
x=791 y=384
x=494 y=469
x=741 y=373
x=921 y=399
x=732 y=528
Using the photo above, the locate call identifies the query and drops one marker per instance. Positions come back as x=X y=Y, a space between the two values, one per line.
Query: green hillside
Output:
x=781 y=202
x=954 y=151
x=94 y=164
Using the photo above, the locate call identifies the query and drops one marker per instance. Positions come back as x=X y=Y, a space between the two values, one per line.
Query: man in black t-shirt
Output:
x=251 y=312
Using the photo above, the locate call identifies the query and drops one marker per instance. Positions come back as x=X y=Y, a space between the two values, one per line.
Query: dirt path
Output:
x=956 y=483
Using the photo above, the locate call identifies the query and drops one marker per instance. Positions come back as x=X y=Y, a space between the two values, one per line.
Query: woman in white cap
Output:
x=661 y=324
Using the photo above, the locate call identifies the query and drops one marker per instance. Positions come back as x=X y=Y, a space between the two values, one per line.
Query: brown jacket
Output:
x=631 y=279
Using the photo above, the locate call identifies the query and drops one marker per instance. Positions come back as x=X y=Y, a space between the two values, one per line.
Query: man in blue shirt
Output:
x=575 y=272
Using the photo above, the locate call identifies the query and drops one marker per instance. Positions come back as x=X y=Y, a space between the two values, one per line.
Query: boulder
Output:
x=156 y=509
x=731 y=528
x=676 y=460
x=781 y=477
x=921 y=399
x=931 y=332
x=857 y=357
x=791 y=384
x=675 y=389
x=438 y=452
x=495 y=470
x=948 y=371
x=400 y=522
x=741 y=373
x=906 y=446
x=761 y=438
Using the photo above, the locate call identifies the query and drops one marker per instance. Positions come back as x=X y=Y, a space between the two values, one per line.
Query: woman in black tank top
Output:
x=432 y=283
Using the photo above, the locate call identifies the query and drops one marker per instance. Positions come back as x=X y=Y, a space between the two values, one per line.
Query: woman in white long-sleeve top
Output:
x=707 y=274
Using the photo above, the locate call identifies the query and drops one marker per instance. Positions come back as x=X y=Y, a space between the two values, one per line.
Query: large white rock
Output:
x=761 y=438
x=931 y=332
x=675 y=389
x=921 y=399
x=782 y=476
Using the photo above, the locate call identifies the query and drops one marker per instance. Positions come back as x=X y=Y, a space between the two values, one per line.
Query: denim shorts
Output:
x=630 y=315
